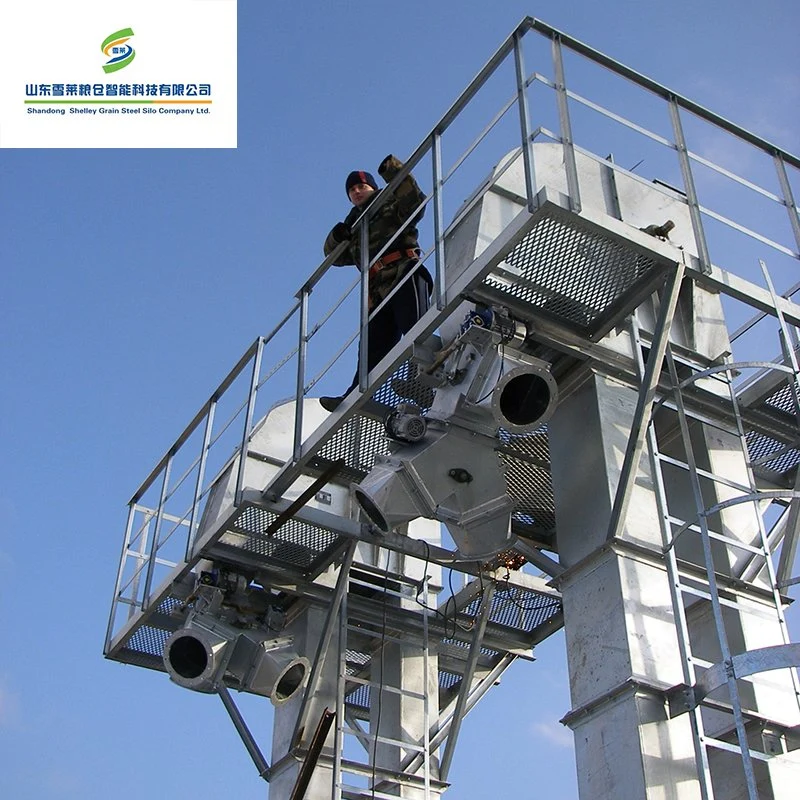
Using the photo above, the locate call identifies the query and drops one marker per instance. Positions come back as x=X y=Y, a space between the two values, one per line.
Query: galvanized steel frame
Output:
x=649 y=382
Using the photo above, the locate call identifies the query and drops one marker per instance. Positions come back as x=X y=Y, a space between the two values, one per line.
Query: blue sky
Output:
x=132 y=282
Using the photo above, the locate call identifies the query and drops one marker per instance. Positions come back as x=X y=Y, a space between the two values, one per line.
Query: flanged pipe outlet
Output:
x=205 y=653
x=524 y=398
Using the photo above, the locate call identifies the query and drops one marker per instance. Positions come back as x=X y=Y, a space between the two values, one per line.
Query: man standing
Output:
x=412 y=299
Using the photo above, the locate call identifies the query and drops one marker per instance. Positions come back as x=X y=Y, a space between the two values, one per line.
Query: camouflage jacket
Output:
x=382 y=226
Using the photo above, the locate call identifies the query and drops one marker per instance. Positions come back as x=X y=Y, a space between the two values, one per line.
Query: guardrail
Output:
x=672 y=138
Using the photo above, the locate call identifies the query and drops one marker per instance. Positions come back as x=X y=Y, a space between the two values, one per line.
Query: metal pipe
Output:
x=573 y=187
x=302 y=345
x=524 y=121
x=440 y=289
x=688 y=182
x=324 y=643
x=363 y=339
x=338 y=736
x=248 y=421
x=681 y=623
x=788 y=198
x=120 y=571
x=201 y=471
x=660 y=90
x=190 y=428
x=466 y=680
x=711 y=578
x=244 y=732
x=151 y=559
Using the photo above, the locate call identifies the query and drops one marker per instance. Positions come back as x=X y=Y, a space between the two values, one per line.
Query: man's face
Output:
x=359 y=192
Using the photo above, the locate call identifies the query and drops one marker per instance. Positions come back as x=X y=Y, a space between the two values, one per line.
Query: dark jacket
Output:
x=382 y=226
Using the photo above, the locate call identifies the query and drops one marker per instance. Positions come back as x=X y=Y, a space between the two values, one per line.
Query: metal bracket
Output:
x=684 y=698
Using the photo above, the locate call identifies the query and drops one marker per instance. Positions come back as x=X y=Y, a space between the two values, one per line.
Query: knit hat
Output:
x=358 y=176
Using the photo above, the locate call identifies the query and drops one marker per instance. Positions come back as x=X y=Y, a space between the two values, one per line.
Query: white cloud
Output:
x=554 y=733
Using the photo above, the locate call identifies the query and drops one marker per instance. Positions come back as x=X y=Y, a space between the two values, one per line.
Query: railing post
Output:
x=688 y=184
x=248 y=420
x=788 y=197
x=566 y=128
x=440 y=289
x=122 y=559
x=302 y=345
x=524 y=121
x=201 y=470
x=363 y=339
x=153 y=555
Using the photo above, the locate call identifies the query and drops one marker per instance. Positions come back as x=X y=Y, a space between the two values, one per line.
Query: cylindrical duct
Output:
x=199 y=659
x=194 y=658
x=524 y=398
x=279 y=675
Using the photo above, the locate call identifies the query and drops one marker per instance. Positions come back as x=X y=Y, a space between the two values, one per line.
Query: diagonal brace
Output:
x=644 y=405
x=466 y=681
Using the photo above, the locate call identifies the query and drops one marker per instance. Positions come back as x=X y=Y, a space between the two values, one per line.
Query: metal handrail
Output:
x=431 y=145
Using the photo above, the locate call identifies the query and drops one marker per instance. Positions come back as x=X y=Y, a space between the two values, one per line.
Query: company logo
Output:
x=115 y=46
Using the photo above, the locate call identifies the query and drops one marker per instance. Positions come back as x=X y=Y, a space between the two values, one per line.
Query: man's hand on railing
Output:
x=341 y=232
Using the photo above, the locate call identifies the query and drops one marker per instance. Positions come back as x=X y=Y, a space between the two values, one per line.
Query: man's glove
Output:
x=341 y=232
x=389 y=167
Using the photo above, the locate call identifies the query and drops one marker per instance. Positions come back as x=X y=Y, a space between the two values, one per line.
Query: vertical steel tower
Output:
x=595 y=426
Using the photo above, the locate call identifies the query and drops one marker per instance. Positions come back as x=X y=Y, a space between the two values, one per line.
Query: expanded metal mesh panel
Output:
x=148 y=639
x=761 y=447
x=356 y=661
x=403 y=387
x=783 y=400
x=521 y=609
x=534 y=444
x=145 y=644
x=363 y=437
x=356 y=444
x=531 y=488
x=572 y=272
x=138 y=659
x=518 y=608
x=448 y=680
x=359 y=697
x=294 y=545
